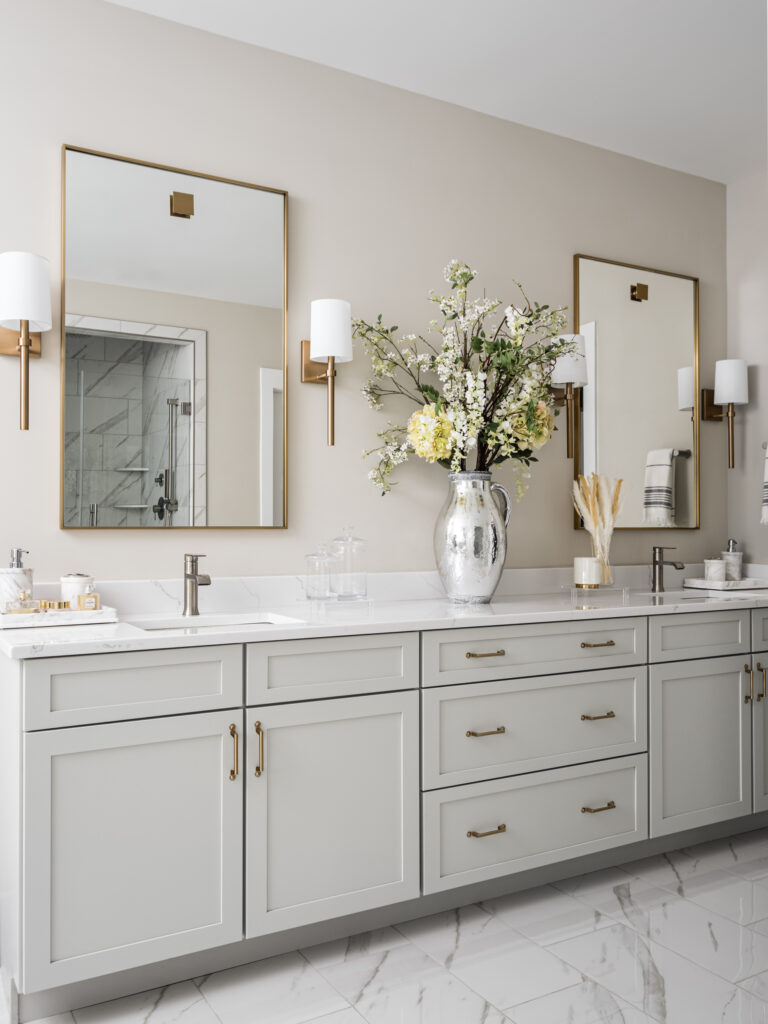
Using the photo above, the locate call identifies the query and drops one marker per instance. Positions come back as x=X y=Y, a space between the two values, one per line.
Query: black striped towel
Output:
x=659 y=493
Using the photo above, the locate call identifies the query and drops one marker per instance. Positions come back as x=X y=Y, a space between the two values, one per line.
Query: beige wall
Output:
x=241 y=339
x=747 y=339
x=385 y=187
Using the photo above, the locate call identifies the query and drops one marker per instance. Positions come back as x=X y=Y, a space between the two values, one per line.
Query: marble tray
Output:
x=746 y=584
x=66 y=617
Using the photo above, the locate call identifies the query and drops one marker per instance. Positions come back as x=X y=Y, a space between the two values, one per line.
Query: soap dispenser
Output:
x=15 y=580
x=732 y=559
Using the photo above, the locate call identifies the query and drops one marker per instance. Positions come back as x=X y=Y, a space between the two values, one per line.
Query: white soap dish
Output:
x=54 y=617
x=745 y=584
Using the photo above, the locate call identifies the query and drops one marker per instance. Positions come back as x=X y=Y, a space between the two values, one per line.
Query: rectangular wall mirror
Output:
x=173 y=347
x=638 y=418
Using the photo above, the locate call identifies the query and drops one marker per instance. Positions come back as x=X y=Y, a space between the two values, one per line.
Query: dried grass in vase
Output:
x=598 y=501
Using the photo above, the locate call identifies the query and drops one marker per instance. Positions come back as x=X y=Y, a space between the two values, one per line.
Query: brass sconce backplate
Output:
x=9 y=343
x=182 y=204
x=638 y=292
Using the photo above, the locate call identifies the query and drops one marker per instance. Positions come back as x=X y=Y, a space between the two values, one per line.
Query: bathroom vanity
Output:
x=177 y=800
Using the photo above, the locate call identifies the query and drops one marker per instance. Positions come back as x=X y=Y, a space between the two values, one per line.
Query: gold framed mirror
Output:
x=638 y=417
x=173 y=347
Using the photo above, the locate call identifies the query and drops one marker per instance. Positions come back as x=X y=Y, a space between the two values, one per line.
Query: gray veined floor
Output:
x=674 y=939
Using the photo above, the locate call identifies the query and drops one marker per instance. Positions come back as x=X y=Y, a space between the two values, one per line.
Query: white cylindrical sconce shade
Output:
x=330 y=330
x=685 y=393
x=731 y=382
x=25 y=291
x=571 y=368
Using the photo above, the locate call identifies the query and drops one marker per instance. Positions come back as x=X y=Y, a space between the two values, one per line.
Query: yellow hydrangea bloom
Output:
x=538 y=435
x=429 y=432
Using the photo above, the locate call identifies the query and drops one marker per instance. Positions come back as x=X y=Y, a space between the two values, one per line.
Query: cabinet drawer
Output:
x=290 y=670
x=137 y=684
x=760 y=629
x=531 y=724
x=698 y=635
x=508 y=652
x=532 y=820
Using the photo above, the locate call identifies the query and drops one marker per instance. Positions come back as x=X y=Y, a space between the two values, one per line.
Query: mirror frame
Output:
x=696 y=414
x=66 y=148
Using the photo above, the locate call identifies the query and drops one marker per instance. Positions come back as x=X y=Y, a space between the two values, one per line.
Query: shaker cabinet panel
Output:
x=132 y=684
x=700 y=743
x=292 y=670
x=509 y=652
x=486 y=730
x=760 y=734
x=490 y=829
x=698 y=635
x=760 y=629
x=332 y=809
x=132 y=845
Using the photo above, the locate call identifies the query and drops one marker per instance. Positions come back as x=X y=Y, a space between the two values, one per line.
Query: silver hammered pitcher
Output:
x=471 y=537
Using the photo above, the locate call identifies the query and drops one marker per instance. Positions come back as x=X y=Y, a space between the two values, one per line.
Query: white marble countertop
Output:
x=319 y=619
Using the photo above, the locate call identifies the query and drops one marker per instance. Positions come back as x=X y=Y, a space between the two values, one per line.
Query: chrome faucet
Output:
x=657 y=580
x=192 y=580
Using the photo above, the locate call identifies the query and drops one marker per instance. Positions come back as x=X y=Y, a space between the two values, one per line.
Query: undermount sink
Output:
x=219 y=620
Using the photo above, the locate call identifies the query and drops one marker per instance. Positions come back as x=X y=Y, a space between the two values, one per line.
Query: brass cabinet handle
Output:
x=491 y=732
x=491 y=654
x=764 y=694
x=610 y=806
x=260 y=734
x=751 y=695
x=233 y=733
x=596 y=718
x=482 y=835
x=605 y=643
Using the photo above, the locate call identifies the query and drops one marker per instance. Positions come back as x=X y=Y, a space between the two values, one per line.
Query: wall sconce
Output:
x=25 y=310
x=571 y=372
x=330 y=334
x=730 y=389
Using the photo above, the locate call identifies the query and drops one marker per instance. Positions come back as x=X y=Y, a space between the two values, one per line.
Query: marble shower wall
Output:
x=116 y=425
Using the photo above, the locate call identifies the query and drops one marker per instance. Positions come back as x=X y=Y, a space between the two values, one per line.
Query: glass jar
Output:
x=348 y=579
x=317 y=577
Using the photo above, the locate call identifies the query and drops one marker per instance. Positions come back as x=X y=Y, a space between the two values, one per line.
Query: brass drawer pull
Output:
x=491 y=732
x=482 y=835
x=764 y=694
x=751 y=695
x=597 y=718
x=235 y=770
x=491 y=654
x=610 y=806
x=605 y=643
x=260 y=734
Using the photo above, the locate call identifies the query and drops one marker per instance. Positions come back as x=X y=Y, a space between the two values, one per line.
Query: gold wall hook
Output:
x=638 y=292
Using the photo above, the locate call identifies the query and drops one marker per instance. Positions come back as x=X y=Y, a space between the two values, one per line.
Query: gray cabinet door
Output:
x=700 y=743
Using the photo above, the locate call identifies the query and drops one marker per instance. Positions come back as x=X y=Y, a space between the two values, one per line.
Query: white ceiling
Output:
x=120 y=231
x=680 y=83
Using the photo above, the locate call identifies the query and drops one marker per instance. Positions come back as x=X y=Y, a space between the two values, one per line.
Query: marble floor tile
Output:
x=60 y=1018
x=182 y=1002
x=337 y=951
x=510 y=969
x=754 y=868
x=348 y=1016
x=660 y=983
x=708 y=939
x=546 y=915
x=587 y=1003
x=673 y=870
x=740 y=899
x=444 y=935
x=282 y=990
x=594 y=880
x=405 y=986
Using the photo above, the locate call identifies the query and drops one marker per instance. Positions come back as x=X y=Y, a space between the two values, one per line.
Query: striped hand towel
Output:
x=764 y=509
x=659 y=492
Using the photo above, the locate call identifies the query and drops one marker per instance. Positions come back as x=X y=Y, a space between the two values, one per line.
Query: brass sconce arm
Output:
x=313 y=372
x=566 y=396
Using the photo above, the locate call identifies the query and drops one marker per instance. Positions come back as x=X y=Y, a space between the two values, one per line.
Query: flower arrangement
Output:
x=482 y=391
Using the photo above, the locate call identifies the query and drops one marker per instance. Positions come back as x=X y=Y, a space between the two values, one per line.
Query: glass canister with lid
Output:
x=348 y=578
